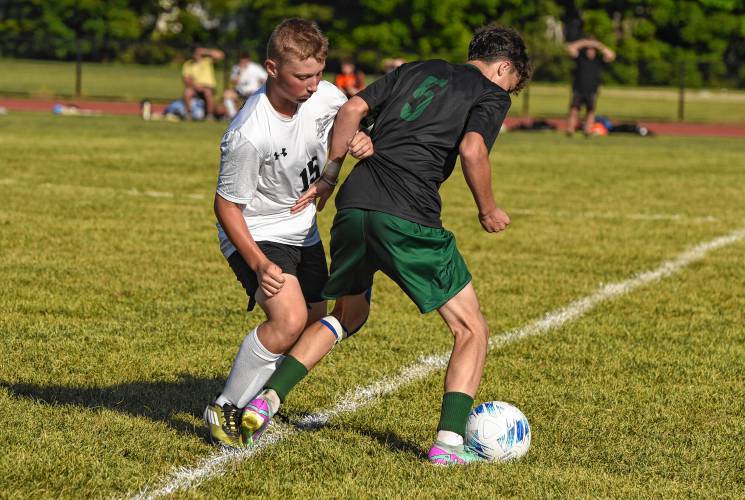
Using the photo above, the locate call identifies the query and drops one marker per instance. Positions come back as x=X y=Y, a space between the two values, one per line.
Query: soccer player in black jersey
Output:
x=426 y=114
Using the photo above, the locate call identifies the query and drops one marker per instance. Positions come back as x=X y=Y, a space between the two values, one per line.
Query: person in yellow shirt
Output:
x=198 y=74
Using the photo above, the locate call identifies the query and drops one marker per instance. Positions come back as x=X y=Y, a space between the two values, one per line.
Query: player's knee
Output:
x=357 y=327
x=292 y=323
x=352 y=313
x=473 y=330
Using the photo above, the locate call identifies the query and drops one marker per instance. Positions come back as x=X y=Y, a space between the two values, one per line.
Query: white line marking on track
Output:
x=217 y=463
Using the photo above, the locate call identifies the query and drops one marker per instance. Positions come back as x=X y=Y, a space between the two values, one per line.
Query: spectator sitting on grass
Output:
x=246 y=77
x=199 y=78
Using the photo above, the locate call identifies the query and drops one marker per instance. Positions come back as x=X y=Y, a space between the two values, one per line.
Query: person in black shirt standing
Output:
x=588 y=75
x=426 y=114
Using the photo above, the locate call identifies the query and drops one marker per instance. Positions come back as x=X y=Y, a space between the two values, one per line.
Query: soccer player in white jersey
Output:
x=271 y=153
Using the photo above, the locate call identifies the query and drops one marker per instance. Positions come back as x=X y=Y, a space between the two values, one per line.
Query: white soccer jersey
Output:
x=267 y=161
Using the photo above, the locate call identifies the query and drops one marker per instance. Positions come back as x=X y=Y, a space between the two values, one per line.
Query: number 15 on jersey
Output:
x=310 y=173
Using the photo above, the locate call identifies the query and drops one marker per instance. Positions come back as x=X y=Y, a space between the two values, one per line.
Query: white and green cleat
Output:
x=443 y=454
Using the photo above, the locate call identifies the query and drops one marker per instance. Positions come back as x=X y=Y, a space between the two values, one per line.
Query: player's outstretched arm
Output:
x=230 y=216
x=474 y=158
x=345 y=137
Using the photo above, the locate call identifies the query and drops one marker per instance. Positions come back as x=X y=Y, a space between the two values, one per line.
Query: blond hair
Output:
x=297 y=38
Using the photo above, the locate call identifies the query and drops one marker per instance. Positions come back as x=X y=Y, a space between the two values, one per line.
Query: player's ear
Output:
x=272 y=68
x=504 y=68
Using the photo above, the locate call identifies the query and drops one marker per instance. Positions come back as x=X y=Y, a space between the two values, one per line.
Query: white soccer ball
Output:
x=497 y=431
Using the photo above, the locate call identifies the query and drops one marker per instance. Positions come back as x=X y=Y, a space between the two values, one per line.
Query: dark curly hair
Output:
x=500 y=43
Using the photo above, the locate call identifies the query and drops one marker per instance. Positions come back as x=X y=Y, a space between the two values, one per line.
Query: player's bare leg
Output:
x=259 y=356
x=286 y=314
x=463 y=316
x=348 y=316
x=466 y=366
x=318 y=339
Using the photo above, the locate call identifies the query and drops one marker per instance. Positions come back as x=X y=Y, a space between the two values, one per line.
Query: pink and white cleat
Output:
x=443 y=454
x=254 y=421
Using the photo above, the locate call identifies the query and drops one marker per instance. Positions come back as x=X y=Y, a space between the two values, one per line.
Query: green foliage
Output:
x=653 y=38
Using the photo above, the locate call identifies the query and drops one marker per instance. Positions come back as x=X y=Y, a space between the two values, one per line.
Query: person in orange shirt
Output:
x=350 y=81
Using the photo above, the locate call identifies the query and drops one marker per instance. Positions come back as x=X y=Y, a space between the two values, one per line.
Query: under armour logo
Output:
x=283 y=153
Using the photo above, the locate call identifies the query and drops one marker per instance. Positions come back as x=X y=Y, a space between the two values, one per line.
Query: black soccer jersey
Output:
x=588 y=74
x=422 y=111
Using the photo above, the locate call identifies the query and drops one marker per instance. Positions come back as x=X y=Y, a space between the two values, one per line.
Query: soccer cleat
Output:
x=443 y=454
x=223 y=423
x=255 y=420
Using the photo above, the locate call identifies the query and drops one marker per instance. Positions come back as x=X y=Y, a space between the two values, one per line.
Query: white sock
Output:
x=450 y=438
x=252 y=367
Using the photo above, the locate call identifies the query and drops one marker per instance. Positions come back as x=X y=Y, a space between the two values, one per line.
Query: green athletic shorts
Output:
x=423 y=261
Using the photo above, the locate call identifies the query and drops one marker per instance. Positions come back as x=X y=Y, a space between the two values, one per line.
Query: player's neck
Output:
x=281 y=105
x=488 y=70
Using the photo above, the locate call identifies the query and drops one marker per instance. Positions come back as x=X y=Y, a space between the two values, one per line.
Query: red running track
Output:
x=133 y=108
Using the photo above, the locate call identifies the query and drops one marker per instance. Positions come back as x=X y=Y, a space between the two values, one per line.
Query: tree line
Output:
x=657 y=41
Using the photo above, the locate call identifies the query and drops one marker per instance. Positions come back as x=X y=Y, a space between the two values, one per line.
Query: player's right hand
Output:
x=360 y=146
x=494 y=220
x=319 y=189
x=270 y=278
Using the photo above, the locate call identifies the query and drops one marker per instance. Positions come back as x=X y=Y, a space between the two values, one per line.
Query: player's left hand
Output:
x=494 y=220
x=319 y=189
x=360 y=146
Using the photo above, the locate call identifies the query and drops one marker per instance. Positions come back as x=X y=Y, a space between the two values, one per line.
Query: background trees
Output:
x=654 y=39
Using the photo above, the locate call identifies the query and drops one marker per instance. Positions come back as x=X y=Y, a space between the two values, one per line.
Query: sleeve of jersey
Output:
x=378 y=92
x=334 y=99
x=240 y=162
x=487 y=116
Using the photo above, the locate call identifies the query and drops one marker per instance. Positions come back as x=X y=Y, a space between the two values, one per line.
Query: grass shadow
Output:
x=158 y=401
x=385 y=438
x=167 y=401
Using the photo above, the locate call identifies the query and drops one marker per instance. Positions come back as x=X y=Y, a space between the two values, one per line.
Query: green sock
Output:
x=287 y=376
x=455 y=409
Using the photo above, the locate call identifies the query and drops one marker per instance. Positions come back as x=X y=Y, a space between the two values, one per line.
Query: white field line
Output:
x=611 y=215
x=517 y=211
x=108 y=190
x=218 y=463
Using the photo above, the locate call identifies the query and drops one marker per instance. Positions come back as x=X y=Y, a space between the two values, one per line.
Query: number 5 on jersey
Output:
x=310 y=173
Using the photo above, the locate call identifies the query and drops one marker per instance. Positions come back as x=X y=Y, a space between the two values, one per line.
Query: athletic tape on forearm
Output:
x=331 y=170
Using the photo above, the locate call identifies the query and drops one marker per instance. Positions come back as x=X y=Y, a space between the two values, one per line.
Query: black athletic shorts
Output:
x=308 y=264
x=580 y=99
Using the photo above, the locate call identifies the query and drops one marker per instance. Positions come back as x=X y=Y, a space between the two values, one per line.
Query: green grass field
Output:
x=119 y=320
x=163 y=83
